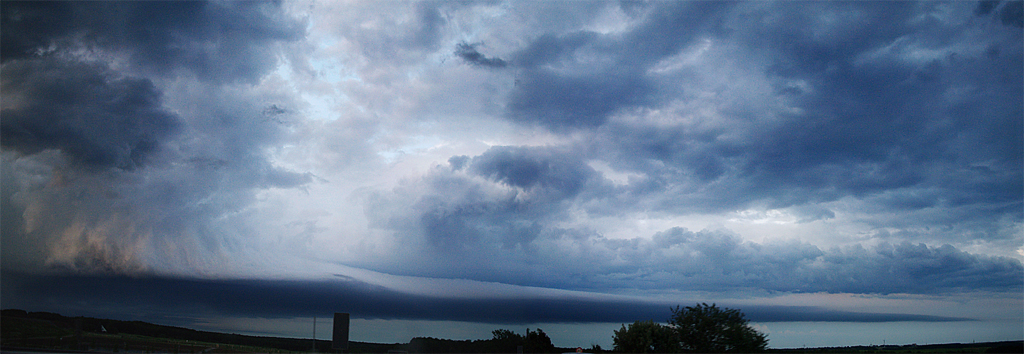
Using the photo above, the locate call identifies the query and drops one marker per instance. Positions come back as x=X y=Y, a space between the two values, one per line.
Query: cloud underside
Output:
x=107 y=175
x=496 y=211
x=184 y=139
x=165 y=297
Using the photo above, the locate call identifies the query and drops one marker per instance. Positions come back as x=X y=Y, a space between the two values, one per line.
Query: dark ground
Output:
x=42 y=332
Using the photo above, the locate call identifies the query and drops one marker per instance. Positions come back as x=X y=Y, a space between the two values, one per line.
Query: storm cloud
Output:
x=165 y=298
x=627 y=156
x=512 y=213
x=218 y=41
x=132 y=177
x=853 y=100
x=84 y=110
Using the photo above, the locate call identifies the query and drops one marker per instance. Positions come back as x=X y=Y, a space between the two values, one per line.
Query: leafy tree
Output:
x=711 y=329
x=537 y=342
x=505 y=335
x=533 y=342
x=504 y=341
x=645 y=337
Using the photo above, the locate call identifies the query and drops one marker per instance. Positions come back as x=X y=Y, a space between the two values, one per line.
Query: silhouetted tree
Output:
x=537 y=342
x=711 y=329
x=505 y=335
x=504 y=341
x=507 y=341
x=645 y=337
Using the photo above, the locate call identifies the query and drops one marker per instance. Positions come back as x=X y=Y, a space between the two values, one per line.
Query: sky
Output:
x=844 y=173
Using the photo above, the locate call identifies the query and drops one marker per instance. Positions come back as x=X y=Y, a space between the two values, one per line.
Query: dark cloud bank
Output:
x=508 y=238
x=62 y=94
x=83 y=105
x=867 y=116
x=870 y=115
x=872 y=118
x=216 y=41
x=93 y=115
x=873 y=113
x=165 y=298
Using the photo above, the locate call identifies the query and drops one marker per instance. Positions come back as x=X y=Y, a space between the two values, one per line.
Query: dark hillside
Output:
x=49 y=330
x=42 y=330
x=52 y=331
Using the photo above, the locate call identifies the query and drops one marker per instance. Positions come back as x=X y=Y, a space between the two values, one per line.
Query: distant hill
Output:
x=42 y=330
x=50 y=331
x=19 y=328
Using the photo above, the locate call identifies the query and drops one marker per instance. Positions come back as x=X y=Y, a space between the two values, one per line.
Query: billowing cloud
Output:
x=893 y=135
x=501 y=199
x=84 y=110
x=578 y=79
x=219 y=41
x=115 y=174
x=665 y=152
x=508 y=204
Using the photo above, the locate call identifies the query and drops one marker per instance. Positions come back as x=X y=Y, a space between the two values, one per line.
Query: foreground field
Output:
x=23 y=331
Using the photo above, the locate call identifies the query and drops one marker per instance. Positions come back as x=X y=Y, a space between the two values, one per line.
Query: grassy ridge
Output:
x=52 y=331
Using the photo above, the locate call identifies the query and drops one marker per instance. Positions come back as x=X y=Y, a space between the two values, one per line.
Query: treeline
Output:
x=503 y=341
